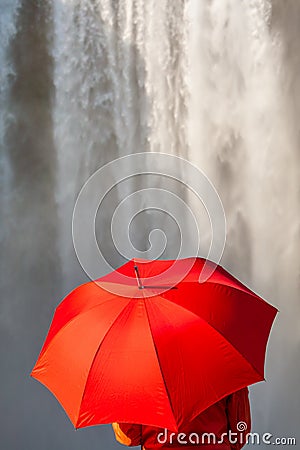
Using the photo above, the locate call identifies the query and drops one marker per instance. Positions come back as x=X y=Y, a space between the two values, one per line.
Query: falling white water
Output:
x=215 y=82
x=119 y=77
x=9 y=9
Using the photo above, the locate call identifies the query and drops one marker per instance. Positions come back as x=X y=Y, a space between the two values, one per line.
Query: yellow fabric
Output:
x=120 y=436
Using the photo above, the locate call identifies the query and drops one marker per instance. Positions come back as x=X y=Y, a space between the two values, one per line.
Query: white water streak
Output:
x=8 y=19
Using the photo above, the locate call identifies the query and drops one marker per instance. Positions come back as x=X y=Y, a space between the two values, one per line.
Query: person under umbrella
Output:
x=151 y=334
x=223 y=426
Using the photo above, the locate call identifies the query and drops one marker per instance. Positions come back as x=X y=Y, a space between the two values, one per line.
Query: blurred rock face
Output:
x=84 y=82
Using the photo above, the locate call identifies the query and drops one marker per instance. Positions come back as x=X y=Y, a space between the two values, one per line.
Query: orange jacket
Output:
x=221 y=419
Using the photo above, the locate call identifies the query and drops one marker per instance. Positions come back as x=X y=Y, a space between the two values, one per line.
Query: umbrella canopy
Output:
x=150 y=344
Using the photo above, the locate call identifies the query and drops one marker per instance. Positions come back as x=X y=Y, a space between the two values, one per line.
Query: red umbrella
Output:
x=150 y=344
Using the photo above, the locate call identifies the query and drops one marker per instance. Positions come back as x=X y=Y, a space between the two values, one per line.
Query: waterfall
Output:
x=110 y=98
x=84 y=82
x=7 y=32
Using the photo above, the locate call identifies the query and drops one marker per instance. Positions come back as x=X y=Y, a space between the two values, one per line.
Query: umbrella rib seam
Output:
x=218 y=283
x=215 y=329
x=164 y=381
x=218 y=331
x=70 y=322
x=234 y=347
x=96 y=353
